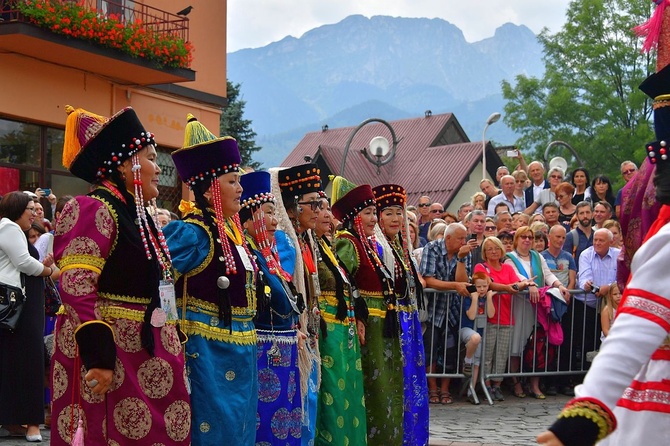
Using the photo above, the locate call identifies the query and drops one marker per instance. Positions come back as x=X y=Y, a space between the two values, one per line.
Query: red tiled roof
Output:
x=420 y=165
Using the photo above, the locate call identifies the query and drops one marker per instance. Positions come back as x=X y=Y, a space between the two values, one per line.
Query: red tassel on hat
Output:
x=651 y=29
x=78 y=439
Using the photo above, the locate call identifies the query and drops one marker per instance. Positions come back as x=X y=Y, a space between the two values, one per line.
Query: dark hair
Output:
x=543 y=236
x=580 y=169
x=583 y=204
x=550 y=204
x=13 y=205
x=609 y=195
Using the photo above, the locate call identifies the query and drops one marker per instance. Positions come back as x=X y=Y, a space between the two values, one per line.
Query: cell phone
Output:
x=472 y=237
x=46 y=190
x=512 y=153
x=472 y=289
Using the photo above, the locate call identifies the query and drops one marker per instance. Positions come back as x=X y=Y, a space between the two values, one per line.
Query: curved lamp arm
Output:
x=564 y=144
x=378 y=163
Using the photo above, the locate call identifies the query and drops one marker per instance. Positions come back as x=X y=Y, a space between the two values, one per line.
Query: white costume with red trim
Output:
x=634 y=360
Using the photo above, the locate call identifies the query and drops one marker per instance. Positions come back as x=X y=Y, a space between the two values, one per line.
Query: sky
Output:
x=256 y=23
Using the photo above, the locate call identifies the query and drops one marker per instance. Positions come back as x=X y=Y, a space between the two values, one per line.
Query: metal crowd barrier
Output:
x=581 y=340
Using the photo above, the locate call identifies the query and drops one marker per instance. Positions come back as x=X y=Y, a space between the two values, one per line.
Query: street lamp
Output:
x=379 y=152
x=493 y=118
x=567 y=146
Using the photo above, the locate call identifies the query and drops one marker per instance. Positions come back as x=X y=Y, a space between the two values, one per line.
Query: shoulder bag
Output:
x=11 y=305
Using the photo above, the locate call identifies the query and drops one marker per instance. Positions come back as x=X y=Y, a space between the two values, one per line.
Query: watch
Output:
x=515 y=287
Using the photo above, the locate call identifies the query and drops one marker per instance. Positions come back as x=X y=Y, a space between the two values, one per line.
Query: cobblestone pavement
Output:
x=513 y=422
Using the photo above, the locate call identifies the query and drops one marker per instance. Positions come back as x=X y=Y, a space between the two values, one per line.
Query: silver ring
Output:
x=92 y=383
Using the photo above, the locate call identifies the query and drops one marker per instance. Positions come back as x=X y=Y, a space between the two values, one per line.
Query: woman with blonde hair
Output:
x=478 y=201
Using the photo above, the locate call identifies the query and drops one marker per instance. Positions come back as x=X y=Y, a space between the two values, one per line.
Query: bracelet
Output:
x=461 y=260
x=51 y=271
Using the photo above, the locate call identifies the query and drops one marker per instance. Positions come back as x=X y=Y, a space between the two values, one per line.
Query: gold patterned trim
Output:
x=592 y=411
x=329 y=318
x=94 y=263
x=212 y=309
x=125 y=298
x=115 y=217
x=95 y=321
x=200 y=268
x=407 y=308
x=377 y=313
x=219 y=334
x=111 y=313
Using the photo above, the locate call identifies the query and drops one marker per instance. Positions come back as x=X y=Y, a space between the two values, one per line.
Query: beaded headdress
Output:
x=298 y=180
x=199 y=163
x=95 y=145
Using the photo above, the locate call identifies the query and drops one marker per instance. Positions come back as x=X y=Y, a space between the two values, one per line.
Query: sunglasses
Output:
x=437 y=211
x=489 y=228
x=527 y=237
x=629 y=171
x=557 y=176
x=314 y=204
x=424 y=205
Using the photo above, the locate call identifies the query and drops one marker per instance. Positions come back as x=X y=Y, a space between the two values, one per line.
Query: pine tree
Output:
x=233 y=124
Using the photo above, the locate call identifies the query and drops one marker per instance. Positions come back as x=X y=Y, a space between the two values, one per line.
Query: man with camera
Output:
x=597 y=270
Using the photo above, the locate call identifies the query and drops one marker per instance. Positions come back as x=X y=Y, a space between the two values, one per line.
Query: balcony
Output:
x=128 y=42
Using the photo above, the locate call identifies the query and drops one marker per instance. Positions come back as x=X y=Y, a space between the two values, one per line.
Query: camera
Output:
x=512 y=153
x=595 y=289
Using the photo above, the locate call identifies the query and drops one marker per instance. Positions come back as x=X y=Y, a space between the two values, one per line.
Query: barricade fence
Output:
x=521 y=340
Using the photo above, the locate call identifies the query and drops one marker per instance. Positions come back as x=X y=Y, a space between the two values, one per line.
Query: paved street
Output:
x=513 y=422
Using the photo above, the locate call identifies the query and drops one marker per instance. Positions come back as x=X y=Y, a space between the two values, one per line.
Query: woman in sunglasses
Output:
x=297 y=190
x=529 y=265
x=381 y=356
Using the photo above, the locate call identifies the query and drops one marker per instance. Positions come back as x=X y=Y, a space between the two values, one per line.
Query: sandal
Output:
x=446 y=398
x=538 y=396
x=518 y=390
x=434 y=397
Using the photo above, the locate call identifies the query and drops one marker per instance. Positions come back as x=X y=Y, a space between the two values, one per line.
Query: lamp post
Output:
x=567 y=146
x=491 y=119
x=379 y=146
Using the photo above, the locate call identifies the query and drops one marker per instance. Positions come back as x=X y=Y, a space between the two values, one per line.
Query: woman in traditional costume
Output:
x=279 y=398
x=341 y=412
x=297 y=190
x=118 y=364
x=381 y=355
x=390 y=199
x=216 y=290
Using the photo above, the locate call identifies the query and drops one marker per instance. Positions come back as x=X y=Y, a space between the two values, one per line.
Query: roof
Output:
x=434 y=155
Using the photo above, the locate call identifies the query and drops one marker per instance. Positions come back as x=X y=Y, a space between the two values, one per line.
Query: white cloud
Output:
x=255 y=23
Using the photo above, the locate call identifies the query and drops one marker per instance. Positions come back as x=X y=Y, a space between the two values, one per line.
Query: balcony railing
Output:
x=113 y=19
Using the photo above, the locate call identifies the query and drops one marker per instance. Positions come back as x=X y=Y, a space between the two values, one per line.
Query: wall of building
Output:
x=468 y=190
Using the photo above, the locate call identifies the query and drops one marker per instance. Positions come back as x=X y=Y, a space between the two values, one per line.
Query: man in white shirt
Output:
x=514 y=203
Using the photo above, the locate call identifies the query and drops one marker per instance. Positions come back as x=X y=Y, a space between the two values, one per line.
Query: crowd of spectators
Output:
x=535 y=232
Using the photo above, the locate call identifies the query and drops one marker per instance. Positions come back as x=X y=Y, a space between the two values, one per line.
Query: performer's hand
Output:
x=548 y=438
x=360 y=327
x=99 y=380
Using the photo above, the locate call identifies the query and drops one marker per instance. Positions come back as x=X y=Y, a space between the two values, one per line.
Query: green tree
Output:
x=233 y=124
x=588 y=96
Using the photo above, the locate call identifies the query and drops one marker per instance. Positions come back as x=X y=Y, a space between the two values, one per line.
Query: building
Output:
x=43 y=68
x=434 y=157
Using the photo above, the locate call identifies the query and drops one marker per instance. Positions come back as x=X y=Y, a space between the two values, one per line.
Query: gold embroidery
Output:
x=104 y=222
x=127 y=334
x=64 y=421
x=79 y=282
x=155 y=377
x=68 y=218
x=591 y=411
x=132 y=418
x=170 y=339
x=59 y=380
x=178 y=420
x=219 y=334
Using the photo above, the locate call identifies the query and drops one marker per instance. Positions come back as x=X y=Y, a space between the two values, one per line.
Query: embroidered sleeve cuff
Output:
x=97 y=349
x=583 y=422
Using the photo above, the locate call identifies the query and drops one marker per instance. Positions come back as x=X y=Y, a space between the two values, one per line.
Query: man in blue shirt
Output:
x=445 y=266
x=583 y=232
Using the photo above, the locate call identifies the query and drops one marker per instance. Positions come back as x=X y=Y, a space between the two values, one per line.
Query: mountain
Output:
x=387 y=67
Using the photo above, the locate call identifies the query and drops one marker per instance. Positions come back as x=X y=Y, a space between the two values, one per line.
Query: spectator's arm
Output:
x=572 y=279
x=522 y=162
x=471 y=312
x=530 y=210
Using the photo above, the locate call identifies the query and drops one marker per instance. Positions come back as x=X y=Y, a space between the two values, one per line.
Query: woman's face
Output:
x=601 y=188
x=231 y=191
x=309 y=207
x=493 y=253
x=539 y=245
x=520 y=185
x=39 y=211
x=579 y=178
x=28 y=217
x=267 y=212
x=33 y=235
x=391 y=221
x=479 y=202
x=412 y=235
x=536 y=217
x=324 y=221
x=616 y=241
x=369 y=220
x=524 y=242
x=149 y=173
x=564 y=198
